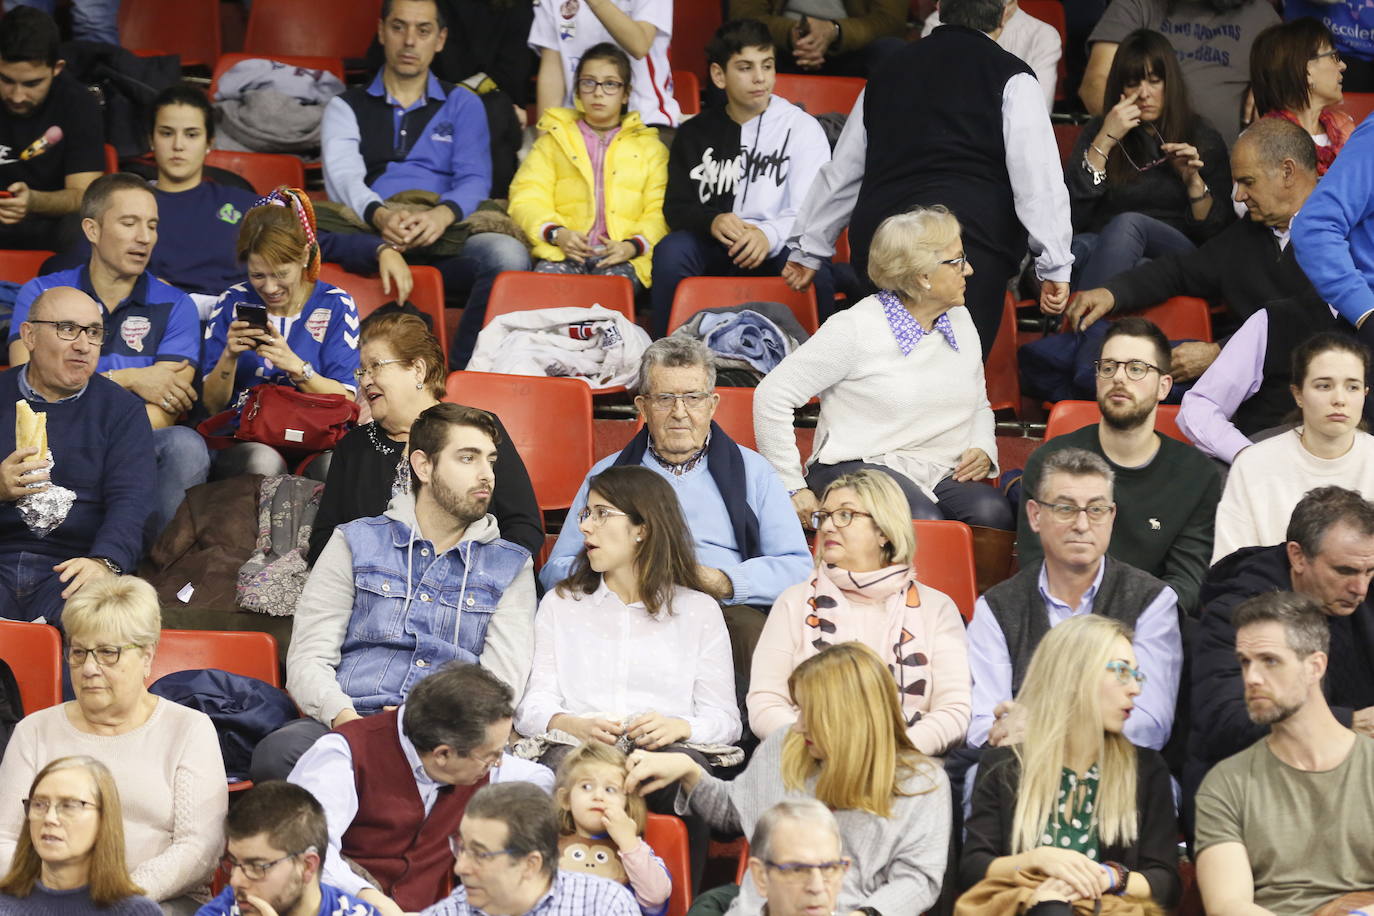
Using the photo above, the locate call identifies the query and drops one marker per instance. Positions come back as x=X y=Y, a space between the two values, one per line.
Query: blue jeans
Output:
x=484 y=256
x=92 y=20
x=183 y=462
x=1126 y=241
x=682 y=254
x=29 y=588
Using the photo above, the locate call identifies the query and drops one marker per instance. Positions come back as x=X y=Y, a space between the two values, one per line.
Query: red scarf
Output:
x=1337 y=126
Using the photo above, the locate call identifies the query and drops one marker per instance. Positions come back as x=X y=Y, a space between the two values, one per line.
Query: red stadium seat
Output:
x=1358 y=105
x=264 y=171
x=742 y=868
x=368 y=295
x=1000 y=369
x=1066 y=135
x=820 y=94
x=1066 y=416
x=111 y=159
x=327 y=28
x=245 y=652
x=735 y=414
x=18 y=266
x=190 y=28
x=694 y=24
x=687 y=91
x=556 y=454
x=1052 y=12
x=1182 y=318
x=305 y=62
x=667 y=837
x=697 y=293
x=525 y=290
x=34 y=653
x=944 y=561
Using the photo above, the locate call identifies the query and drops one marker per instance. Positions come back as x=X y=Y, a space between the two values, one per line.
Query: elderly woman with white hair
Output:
x=165 y=758
x=900 y=378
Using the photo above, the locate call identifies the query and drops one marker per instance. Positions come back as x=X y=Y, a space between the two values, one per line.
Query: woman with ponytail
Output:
x=309 y=338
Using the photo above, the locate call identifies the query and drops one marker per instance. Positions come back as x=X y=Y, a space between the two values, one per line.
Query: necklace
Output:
x=400 y=481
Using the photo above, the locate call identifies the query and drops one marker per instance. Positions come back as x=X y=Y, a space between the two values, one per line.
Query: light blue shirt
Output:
x=785 y=559
x=1158 y=649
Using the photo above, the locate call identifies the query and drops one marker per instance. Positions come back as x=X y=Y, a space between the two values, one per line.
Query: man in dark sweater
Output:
x=1248 y=264
x=1166 y=491
x=1329 y=556
x=1072 y=511
x=101 y=448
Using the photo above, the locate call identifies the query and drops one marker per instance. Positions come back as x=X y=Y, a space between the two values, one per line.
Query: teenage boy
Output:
x=737 y=175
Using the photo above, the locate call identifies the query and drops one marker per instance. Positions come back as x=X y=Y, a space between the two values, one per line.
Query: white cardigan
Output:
x=916 y=414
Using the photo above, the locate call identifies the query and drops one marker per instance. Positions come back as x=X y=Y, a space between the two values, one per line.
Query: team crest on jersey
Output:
x=133 y=330
x=317 y=323
x=230 y=214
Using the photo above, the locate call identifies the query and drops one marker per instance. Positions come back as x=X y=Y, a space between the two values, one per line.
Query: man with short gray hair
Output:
x=1071 y=509
x=749 y=543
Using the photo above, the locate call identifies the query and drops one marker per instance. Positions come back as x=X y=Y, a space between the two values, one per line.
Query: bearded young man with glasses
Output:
x=1166 y=491
x=1072 y=511
x=101 y=449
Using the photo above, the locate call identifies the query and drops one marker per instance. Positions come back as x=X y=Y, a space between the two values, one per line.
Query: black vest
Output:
x=379 y=143
x=1020 y=610
x=933 y=115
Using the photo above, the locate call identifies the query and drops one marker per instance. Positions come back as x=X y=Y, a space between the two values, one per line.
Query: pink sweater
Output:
x=915 y=629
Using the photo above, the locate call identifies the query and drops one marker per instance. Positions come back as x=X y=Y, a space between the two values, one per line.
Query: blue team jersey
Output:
x=156 y=323
x=333 y=902
x=324 y=333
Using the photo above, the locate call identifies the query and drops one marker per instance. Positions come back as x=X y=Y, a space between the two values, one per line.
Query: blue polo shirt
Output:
x=156 y=323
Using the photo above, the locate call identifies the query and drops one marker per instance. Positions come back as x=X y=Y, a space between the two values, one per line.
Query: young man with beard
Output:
x=1283 y=826
x=1166 y=492
x=276 y=836
x=393 y=597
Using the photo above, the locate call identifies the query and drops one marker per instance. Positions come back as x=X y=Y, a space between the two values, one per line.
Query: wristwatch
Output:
x=111 y=565
x=307 y=372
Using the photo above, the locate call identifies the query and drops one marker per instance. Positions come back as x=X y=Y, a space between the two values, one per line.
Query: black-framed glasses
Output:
x=68 y=809
x=692 y=400
x=798 y=872
x=1164 y=157
x=480 y=856
x=255 y=870
x=70 y=330
x=105 y=656
x=1068 y=512
x=588 y=85
x=1136 y=369
x=1124 y=672
x=601 y=513
x=841 y=517
x=1333 y=54
x=957 y=263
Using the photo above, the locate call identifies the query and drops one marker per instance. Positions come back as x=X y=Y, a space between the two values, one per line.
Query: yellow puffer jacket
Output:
x=555 y=185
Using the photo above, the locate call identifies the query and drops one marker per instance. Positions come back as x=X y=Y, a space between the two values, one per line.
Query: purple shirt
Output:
x=1233 y=378
x=907 y=329
x=597 y=144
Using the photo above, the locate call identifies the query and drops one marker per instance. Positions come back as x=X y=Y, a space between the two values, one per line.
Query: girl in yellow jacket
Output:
x=590 y=192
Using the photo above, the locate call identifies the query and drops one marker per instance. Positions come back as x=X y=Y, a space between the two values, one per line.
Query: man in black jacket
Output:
x=1246 y=265
x=1329 y=556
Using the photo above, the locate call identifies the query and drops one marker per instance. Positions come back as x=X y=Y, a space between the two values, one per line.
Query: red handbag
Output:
x=284 y=418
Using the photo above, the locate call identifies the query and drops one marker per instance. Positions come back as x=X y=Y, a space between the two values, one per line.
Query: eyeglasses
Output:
x=488 y=761
x=600 y=513
x=1136 y=369
x=798 y=872
x=1152 y=164
x=1124 y=672
x=360 y=374
x=841 y=517
x=255 y=871
x=692 y=400
x=957 y=263
x=67 y=808
x=1333 y=54
x=455 y=845
x=105 y=656
x=1068 y=512
x=588 y=85
x=69 y=330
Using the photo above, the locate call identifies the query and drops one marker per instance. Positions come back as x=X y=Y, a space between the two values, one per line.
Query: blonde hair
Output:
x=590 y=754
x=907 y=246
x=1062 y=699
x=849 y=707
x=879 y=495
x=122 y=609
x=107 y=876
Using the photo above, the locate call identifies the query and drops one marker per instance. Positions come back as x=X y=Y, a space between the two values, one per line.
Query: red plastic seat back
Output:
x=1067 y=416
x=264 y=171
x=667 y=837
x=190 y=28
x=329 y=28
x=696 y=293
x=687 y=91
x=368 y=295
x=735 y=414
x=18 y=266
x=1358 y=105
x=247 y=652
x=525 y=290
x=1000 y=369
x=944 y=561
x=1182 y=318
x=820 y=94
x=34 y=653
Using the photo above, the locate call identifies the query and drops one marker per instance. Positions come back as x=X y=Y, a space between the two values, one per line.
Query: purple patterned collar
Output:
x=907 y=329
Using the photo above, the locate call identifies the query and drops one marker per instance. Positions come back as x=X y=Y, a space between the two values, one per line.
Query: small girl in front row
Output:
x=601 y=827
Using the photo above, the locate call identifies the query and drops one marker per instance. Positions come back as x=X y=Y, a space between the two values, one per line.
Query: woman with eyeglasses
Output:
x=1075 y=801
x=166 y=757
x=401 y=376
x=864 y=589
x=1296 y=74
x=69 y=857
x=900 y=379
x=590 y=193
x=1149 y=176
x=1330 y=381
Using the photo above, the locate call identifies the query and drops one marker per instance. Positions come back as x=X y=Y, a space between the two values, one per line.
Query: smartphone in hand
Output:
x=254 y=315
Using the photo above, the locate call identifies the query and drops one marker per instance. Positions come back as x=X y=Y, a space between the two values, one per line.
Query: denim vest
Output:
x=387 y=649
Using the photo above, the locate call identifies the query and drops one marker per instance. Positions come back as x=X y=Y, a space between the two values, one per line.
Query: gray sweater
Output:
x=899 y=861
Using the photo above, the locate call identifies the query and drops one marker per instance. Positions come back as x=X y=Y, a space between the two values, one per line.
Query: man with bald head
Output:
x=101 y=447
